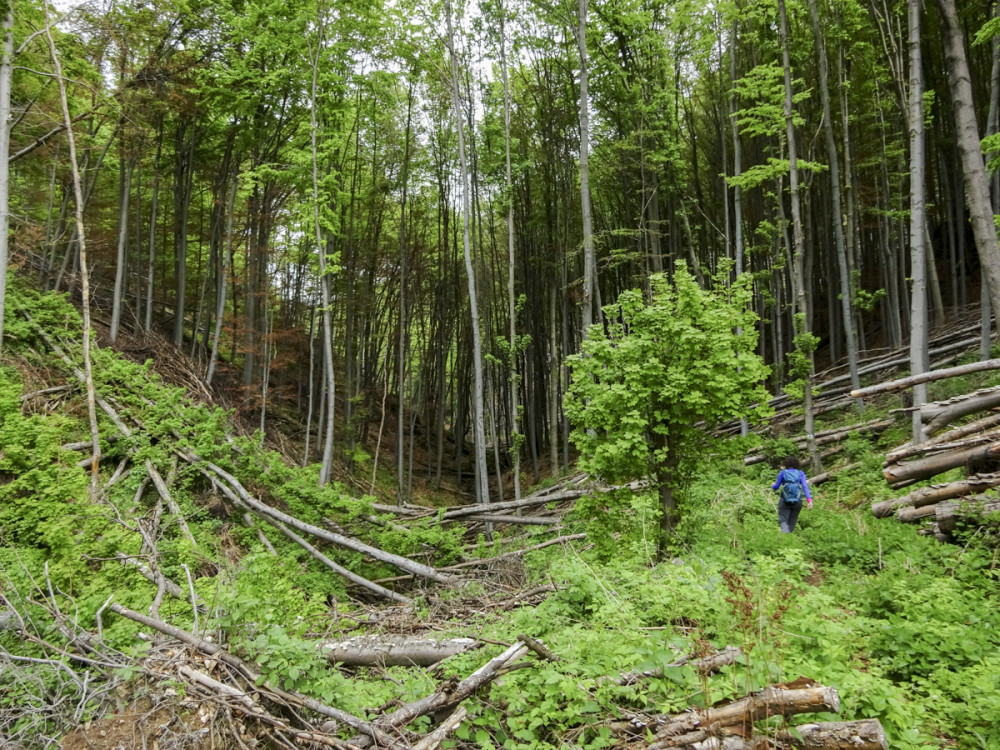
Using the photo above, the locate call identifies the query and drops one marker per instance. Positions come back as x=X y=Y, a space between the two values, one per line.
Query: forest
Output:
x=415 y=375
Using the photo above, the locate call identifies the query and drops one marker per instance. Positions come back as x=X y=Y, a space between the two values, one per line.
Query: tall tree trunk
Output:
x=223 y=281
x=918 y=258
x=967 y=131
x=802 y=332
x=846 y=287
x=153 y=207
x=589 y=260
x=326 y=468
x=515 y=381
x=88 y=373
x=401 y=494
x=482 y=488
x=124 y=194
x=5 y=83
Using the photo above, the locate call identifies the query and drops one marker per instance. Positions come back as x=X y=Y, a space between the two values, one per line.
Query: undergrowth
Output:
x=905 y=628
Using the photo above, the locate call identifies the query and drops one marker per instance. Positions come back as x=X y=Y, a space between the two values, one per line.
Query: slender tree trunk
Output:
x=401 y=495
x=515 y=381
x=846 y=288
x=967 y=131
x=5 y=84
x=223 y=282
x=589 y=261
x=153 y=207
x=326 y=468
x=88 y=372
x=119 y=292
x=482 y=488
x=798 y=255
x=918 y=258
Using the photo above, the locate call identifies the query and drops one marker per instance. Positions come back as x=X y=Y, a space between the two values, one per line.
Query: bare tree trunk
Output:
x=482 y=487
x=846 y=287
x=153 y=207
x=326 y=468
x=5 y=83
x=589 y=262
x=223 y=284
x=116 y=301
x=515 y=381
x=401 y=494
x=798 y=256
x=967 y=131
x=918 y=263
x=84 y=272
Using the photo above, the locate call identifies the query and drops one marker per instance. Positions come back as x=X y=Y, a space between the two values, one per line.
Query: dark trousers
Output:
x=788 y=515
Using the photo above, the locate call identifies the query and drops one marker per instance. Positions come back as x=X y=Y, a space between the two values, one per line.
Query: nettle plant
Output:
x=647 y=391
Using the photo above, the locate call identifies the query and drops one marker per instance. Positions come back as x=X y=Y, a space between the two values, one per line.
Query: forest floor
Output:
x=906 y=629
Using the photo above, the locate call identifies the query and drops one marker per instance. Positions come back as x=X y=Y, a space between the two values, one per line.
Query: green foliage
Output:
x=669 y=365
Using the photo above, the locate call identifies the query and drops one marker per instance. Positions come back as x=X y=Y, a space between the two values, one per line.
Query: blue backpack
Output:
x=792 y=490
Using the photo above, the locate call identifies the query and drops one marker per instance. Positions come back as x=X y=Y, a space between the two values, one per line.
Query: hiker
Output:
x=794 y=486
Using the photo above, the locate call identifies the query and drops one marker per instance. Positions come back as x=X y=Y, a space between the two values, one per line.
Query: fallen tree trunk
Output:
x=936 y=493
x=948 y=514
x=389 y=651
x=470 y=510
x=926 y=377
x=446 y=698
x=866 y=734
x=516 y=520
x=266 y=511
x=952 y=435
x=833 y=436
x=924 y=468
x=938 y=417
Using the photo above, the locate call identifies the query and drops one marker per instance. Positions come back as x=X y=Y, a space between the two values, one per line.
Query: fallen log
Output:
x=389 y=651
x=833 y=436
x=926 y=377
x=936 y=493
x=939 y=417
x=930 y=466
x=468 y=510
x=948 y=515
x=689 y=728
x=952 y=435
x=826 y=476
x=515 y=520
x=266 y=511
x=446 y=698
x=866 y=734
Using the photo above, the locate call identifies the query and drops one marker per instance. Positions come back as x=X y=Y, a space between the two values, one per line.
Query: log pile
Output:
x=974 y=446
x=730 y=726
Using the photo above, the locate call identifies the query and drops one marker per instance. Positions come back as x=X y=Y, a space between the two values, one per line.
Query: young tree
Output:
x=644 y=397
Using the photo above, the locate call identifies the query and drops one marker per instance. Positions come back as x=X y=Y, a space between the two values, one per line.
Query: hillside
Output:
x=903 y=628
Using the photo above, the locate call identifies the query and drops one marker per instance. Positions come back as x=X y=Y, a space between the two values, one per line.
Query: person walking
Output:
x=793 y=487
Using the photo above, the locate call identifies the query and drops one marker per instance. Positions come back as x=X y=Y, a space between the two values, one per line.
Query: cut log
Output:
x=925 y=468
x=388 y=651
x=936 y=493
x=948 y=514
x=826 y=476
x=906 y=451
x=939 y=417
x=926 y=377
x=866 y=734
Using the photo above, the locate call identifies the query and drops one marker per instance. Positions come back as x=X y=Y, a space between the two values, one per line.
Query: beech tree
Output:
x=669 y=367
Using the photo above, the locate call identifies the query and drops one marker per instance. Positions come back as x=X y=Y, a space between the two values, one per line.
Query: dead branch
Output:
x=389 y=651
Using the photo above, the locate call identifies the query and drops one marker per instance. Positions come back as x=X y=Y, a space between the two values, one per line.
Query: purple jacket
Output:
x=801 y=478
